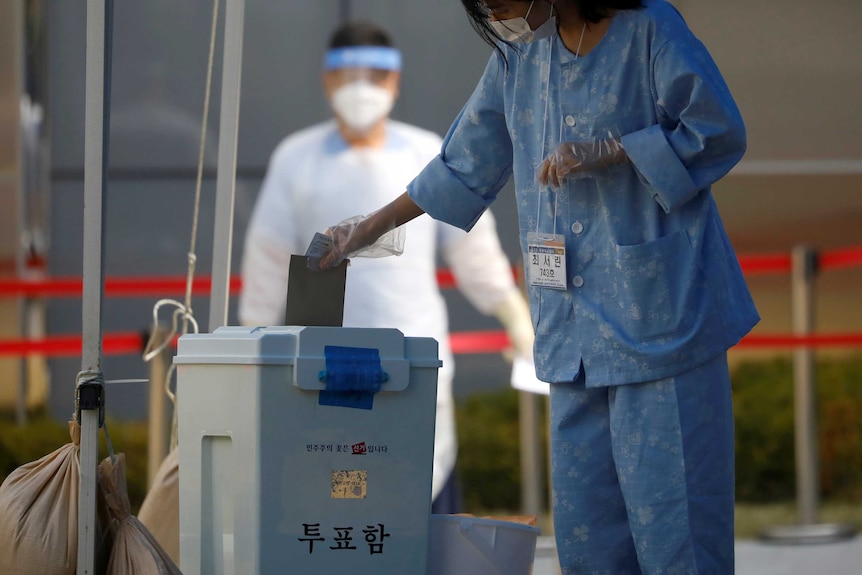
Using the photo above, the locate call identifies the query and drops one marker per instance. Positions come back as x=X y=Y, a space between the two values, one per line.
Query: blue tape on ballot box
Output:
x=353 y=375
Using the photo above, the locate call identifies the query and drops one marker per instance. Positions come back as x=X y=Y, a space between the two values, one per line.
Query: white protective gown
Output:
x=314 y=180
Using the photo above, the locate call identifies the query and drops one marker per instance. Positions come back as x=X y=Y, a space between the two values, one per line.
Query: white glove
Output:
x=514 y=313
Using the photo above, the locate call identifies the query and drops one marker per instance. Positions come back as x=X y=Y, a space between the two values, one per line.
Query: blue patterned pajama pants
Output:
x=643 y=477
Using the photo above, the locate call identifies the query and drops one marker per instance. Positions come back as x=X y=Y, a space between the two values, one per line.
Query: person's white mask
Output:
x=518 y=29
x=362 y=104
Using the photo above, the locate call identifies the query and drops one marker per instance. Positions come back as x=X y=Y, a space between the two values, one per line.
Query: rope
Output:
x=199 y=179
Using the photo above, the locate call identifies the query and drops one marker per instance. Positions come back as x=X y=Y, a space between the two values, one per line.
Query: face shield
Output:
x=375 y=76
x=362 y=84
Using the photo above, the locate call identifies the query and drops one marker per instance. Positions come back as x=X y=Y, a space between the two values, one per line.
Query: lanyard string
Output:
x=545 y=125
x=544 y=132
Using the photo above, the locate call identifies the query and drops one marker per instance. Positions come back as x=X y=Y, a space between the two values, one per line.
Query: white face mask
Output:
x=518 y=29
x=362 y=104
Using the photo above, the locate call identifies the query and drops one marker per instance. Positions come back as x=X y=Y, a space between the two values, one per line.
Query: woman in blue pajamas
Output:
x=614 y=122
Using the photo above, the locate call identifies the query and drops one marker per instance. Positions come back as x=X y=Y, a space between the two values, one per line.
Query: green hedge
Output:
x=489 y=459
x=42 y=435
x=763 y=410
x=763 y=403
x=488 y=451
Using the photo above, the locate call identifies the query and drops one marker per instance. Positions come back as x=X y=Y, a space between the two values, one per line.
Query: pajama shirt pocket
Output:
x=654 y=285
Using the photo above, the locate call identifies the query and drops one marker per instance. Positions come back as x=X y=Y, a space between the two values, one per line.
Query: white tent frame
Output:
x=89 y=405
x=90 y=383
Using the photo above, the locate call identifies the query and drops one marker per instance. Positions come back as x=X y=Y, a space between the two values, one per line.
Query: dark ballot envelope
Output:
x=315 y=297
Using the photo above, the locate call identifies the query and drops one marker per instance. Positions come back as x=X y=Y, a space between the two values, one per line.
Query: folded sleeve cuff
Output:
x=658 y=165
x=444 y=197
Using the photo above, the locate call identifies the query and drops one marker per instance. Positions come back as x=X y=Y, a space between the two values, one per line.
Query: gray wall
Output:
x=159 y=74
x=794 y=70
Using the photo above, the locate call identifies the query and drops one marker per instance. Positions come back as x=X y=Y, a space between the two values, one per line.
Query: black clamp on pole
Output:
x=90 y=394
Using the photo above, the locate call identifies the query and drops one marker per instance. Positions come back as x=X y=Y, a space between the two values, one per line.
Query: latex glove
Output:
x=369 y=236
x=578 y=159
x=514 y=313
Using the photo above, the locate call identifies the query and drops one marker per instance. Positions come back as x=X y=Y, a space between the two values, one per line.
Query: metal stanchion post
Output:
x=804 y=270
x=21 y=399
x=803 y=274
x=530 y=447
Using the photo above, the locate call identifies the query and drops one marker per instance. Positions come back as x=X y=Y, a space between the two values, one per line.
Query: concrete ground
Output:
x=841 y=558
x=754 y=557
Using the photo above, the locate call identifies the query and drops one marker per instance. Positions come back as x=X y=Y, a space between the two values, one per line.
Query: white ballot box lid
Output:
x=305 y=348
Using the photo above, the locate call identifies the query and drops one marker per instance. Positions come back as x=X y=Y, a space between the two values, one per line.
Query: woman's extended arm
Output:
x=350 y=236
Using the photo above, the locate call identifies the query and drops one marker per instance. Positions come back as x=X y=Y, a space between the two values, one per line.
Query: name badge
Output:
x=547 y=260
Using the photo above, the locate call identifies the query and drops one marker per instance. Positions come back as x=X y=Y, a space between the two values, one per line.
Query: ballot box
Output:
x=305 y=450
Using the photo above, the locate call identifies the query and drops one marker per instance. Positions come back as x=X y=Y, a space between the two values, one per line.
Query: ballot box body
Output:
x=279 y=473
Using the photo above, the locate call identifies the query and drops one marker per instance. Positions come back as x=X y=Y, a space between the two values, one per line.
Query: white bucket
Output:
x=459 y=545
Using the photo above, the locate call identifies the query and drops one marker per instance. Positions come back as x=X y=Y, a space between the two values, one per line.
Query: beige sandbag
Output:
x=135 y=550
x=160 y=511
x=39 y=514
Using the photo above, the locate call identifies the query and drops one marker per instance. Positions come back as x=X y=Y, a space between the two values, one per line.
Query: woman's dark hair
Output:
x=590 y=10
x=359 y=33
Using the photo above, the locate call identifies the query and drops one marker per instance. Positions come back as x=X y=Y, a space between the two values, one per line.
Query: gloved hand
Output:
x=514 y=313
x=369 y=236
x=578 y=159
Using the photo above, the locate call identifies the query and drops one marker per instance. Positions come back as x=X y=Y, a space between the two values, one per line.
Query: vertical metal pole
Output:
x=802 y=274
x=23 y=372
x=226 y=179
x=531 y=462
x=14 y=180
x=90 y=388
x=804 y=269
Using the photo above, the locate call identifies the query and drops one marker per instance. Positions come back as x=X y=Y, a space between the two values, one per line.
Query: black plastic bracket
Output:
x=90 y=396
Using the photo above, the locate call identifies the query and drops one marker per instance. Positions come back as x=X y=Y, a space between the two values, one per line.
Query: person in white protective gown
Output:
x=352 y=164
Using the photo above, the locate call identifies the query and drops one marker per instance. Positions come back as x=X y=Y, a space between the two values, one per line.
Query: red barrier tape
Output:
x=765 y=264
x=172 y=286
x=844 y=258
x=128 y=286
x=131 y=286
x=814 y=340
x=478 y=342
x=497 y=341
x=62 y=345
x=462 y=343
